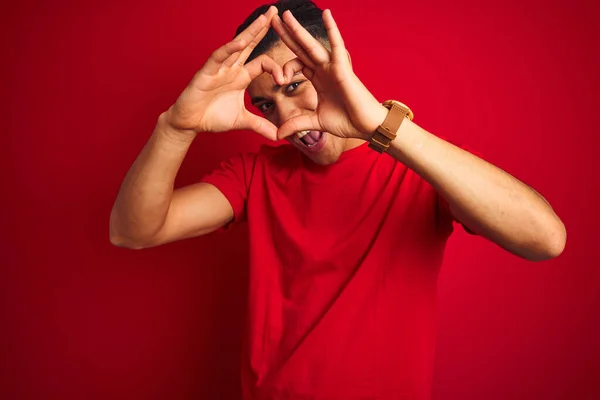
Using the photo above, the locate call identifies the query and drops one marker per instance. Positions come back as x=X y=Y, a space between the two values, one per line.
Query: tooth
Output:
x=300 y=135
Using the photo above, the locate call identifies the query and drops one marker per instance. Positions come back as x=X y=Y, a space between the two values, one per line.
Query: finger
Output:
x=240 y=57
x=258 y=124
x=286 y=37
x=271 y=12
x=338 y=49
x=294 y=67
x=238 y=44
x=215 y=61
x=299 y=124
x=232 y=59
x=264 y=63
x=317 y=52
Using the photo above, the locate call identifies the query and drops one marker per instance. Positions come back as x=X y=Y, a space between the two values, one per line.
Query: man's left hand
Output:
x=345 y=107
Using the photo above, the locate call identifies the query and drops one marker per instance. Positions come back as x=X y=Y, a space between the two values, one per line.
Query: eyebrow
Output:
x=275 y=88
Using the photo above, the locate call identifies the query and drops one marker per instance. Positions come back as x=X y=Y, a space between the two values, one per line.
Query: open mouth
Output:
x=311 y=140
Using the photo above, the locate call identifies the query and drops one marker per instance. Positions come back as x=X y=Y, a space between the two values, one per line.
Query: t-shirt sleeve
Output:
x=232 y=178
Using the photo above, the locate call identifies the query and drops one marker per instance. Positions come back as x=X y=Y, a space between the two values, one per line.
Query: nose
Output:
x=287 y=110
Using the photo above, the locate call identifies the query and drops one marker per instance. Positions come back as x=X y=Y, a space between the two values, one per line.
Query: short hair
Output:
x=306 y=12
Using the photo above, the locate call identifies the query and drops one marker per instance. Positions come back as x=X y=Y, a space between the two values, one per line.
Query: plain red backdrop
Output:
x=83 y=84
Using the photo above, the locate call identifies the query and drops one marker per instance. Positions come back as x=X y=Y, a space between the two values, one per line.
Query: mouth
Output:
x=311 y=141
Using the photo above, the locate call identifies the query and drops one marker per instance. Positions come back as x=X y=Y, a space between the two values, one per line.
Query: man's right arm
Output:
x=148 y=212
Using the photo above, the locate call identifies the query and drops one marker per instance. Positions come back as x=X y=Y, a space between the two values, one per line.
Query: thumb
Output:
x=299 y=124
x=257 y=124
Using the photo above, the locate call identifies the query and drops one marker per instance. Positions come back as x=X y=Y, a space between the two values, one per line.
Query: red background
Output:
x=83 y=84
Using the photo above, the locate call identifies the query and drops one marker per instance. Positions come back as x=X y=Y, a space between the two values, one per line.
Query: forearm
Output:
x=483 y=197
x=143 y=201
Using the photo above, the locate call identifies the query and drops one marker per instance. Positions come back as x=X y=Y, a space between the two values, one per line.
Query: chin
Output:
x=326 y=152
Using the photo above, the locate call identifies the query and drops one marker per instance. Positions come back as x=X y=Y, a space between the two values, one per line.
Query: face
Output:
x=280 y=103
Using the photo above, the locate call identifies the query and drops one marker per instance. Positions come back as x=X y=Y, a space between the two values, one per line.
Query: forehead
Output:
x=280 y=53
x=262 y=84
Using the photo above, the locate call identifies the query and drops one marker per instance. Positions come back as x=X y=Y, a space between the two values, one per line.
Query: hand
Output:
x=214 y=99
x=345 y=107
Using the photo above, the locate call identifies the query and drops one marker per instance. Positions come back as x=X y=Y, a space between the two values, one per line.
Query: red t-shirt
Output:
x=344 y=261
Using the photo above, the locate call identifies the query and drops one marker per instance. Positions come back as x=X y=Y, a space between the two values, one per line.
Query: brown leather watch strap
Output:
x=386 y=132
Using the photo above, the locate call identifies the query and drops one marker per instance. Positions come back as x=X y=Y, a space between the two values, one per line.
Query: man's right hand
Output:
x=214 y=99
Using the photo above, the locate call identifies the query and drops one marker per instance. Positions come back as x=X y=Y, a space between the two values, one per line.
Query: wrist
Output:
x=165 y=129
x=410 y=144
x=376 y=118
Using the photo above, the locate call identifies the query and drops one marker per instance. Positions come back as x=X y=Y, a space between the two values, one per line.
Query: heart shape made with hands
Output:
x=214 y=100
x=345 y=108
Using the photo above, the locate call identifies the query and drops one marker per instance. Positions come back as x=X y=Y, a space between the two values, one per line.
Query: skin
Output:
x=148 y=212
x=298 y=97
x=329 y=98
x=486 y=199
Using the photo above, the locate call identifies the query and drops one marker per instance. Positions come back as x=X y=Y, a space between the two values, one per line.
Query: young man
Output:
x=348 y=223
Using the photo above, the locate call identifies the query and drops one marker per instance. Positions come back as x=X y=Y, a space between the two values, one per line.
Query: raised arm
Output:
x=148 y=211
x=484 y=198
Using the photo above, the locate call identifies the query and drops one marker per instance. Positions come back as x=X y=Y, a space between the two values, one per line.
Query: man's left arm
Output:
x=483 y=197
x=487 y=200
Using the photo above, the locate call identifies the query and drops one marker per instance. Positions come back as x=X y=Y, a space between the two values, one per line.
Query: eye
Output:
x=291 y=87
x=264 y=107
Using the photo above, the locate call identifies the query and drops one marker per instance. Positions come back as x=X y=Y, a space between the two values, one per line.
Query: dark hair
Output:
x=306 y=12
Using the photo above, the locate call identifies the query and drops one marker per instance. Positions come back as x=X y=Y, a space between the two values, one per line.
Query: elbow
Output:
x=127 y=240
x=127 y=243
x=553 y=243
x=557 y=241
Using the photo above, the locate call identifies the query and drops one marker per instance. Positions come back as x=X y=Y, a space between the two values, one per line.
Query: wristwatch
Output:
x=386 y=132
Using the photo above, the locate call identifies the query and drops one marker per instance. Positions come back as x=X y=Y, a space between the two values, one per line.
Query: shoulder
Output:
x=267 y=155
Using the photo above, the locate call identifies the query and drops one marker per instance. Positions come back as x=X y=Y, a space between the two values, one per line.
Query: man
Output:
x=348 y=223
